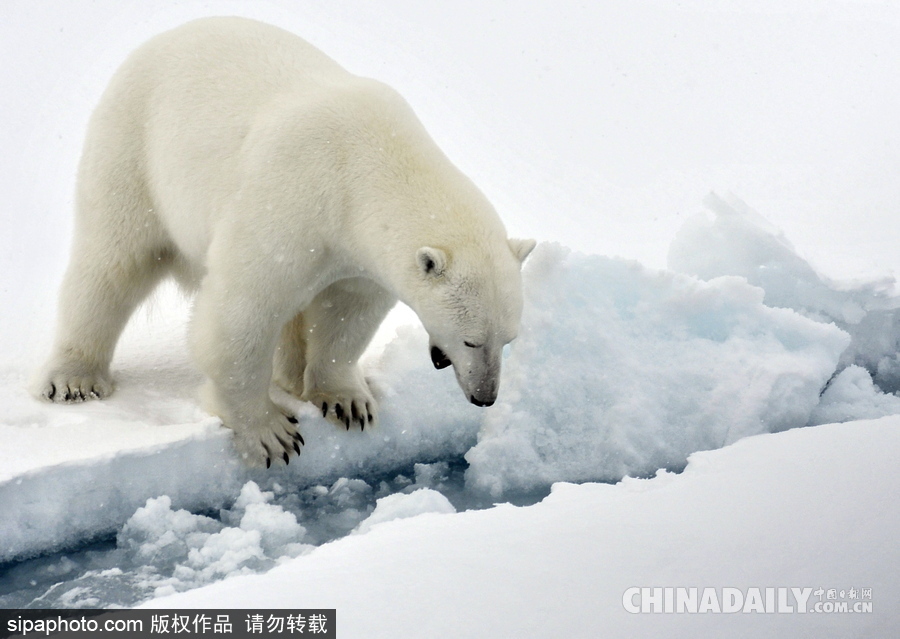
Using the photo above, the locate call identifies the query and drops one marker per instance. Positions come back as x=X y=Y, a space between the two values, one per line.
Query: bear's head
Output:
x=471 y=304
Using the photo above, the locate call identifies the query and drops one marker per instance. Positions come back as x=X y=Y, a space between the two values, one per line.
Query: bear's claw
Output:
x=73 y=387
x=358 y=417
x=344 y=404
x=358 y=413
x=268 y=440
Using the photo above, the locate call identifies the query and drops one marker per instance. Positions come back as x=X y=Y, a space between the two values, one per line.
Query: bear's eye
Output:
x=471 y=345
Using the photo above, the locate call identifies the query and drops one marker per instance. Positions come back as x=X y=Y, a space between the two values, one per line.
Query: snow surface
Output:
x=595 y=126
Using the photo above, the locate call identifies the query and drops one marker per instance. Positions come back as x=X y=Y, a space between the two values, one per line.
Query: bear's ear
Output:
x=521 y=248
x=432 y=261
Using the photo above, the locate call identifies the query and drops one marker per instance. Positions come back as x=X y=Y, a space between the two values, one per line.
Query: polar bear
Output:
x=300 y=202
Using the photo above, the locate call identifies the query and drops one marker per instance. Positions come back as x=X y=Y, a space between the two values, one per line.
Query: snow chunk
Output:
x=161 y=550
x=738 y=241
x=852 y=395
x=278 y=529
x=431 y=475
x=164 y=536
x=403 y=506
x=185 y=550
x=621 y=370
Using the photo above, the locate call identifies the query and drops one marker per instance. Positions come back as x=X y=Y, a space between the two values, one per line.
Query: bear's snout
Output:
x=480 y=403
x=477 y=372
x=485 y=393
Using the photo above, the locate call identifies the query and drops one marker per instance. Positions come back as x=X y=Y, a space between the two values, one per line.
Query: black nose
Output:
x=480 y=403
x=439 y=358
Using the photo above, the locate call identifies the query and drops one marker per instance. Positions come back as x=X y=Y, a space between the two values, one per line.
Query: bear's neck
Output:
x=389 y=254
x=387 y=250
x=406 y=195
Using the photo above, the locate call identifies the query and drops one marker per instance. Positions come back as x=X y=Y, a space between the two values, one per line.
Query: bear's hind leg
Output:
x=339 y=324
x=119 y=254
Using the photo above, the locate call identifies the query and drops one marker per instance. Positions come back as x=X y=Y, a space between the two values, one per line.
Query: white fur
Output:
x=302 y=202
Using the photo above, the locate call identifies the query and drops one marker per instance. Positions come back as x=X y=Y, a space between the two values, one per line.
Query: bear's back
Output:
x=237 y=53
x=219 y=69
x=180 y=108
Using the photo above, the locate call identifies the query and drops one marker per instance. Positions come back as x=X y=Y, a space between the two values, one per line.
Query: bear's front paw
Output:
x=269 y=439
x=345 y=408
x=63 y=386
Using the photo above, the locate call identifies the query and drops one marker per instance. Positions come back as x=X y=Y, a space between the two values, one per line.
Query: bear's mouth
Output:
x=439 y=358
